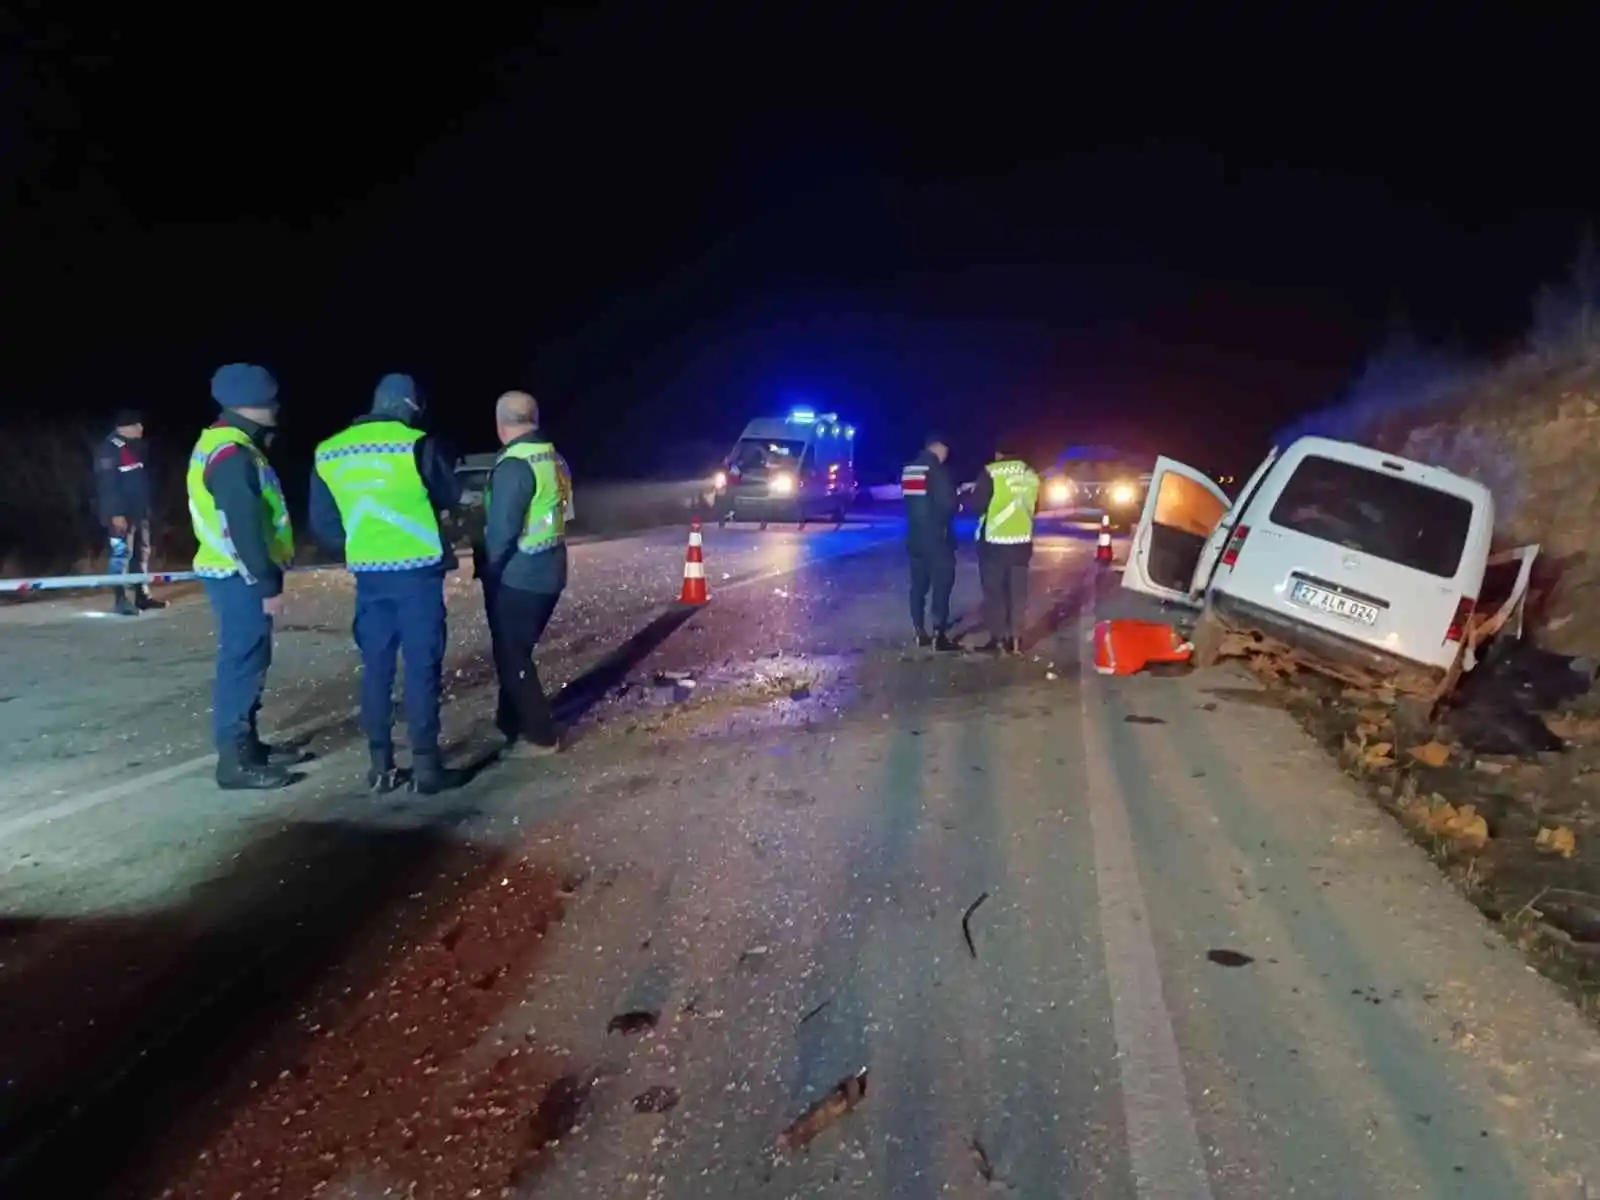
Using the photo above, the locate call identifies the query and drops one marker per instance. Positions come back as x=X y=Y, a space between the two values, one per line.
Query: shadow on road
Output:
x=584 y=692
x=128 y=1032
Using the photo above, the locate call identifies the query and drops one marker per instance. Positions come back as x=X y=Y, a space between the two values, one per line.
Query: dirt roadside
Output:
x=1519 y=835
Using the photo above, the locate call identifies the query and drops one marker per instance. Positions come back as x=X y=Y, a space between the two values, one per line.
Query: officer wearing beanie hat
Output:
x=377 y=495
x=244 y=544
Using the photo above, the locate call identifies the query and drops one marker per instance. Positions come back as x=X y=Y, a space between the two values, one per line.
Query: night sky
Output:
x=1171 y=232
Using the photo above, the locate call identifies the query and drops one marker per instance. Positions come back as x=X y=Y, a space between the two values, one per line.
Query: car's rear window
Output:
x=1377 y=513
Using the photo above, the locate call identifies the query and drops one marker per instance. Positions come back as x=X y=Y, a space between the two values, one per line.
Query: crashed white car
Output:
x=1353 y=562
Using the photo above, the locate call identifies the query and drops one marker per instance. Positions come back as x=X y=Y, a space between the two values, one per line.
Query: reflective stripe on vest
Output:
x=1009 y=519
x=370 y=469
x=545 y=525
x=215 y=556
x=914 y=479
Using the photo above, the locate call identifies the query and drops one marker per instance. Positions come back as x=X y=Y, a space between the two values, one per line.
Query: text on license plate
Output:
x=1332 y=603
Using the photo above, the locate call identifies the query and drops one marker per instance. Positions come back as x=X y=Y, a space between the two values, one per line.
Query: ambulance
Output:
x=797 y=468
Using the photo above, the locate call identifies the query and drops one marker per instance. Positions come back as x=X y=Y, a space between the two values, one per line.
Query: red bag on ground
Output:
x=1127 y=647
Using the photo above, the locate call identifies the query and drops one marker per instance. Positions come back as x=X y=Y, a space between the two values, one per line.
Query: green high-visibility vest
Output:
x=389 y=520
x=1009 y=520
x=545 y=526
x=215 y=557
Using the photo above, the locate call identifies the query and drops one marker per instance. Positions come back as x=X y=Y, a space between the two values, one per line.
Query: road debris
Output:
x=637 y=1021
x=657 y=1099
x=1557 y=839
x=966 y=928
x=817 y=1011
x=1229 y=958
x=1136 y=719
x=980 y=1158
x=841 y=1099
x=1430 y=754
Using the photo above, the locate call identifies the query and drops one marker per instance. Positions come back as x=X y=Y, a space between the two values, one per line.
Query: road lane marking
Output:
x=74 y=805
x=1163 y=1141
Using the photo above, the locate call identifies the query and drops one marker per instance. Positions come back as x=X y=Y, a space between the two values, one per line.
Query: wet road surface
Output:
x=1084 y=937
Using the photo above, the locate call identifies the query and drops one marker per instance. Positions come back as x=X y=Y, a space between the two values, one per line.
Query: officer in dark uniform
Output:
x=377 y=495
x=930 y=498
x=122 y=502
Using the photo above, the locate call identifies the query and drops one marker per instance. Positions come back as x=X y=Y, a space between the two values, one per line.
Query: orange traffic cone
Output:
x=1102 y=546
x=694 y=570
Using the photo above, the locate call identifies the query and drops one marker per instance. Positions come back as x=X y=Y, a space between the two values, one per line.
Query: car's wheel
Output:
x=1206 y=638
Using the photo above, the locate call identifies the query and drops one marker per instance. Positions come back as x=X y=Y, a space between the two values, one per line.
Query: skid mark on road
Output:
x=1163 y=1144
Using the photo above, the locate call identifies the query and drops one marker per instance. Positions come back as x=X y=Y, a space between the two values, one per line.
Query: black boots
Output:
x=923 y=639
x=145 y=602
x=944 y=644
x=122 y=604
x=243 y=768
x=429 y=775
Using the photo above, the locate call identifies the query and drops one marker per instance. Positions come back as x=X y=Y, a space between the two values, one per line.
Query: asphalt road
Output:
x=1200 y=962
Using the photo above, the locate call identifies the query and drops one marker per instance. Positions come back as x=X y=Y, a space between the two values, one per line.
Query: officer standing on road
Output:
x=122 y=502
x=1007 y=494
x=930 y=498
x=522 y=565
x=378 y=494
x=245 y=542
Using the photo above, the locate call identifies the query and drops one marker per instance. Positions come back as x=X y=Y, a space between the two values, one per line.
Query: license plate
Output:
x=1332 y=603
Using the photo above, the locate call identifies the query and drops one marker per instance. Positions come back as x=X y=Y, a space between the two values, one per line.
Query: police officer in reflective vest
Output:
x=377 y=495
x=930 y=499
x=245 y=542
x=522 y=565
x=1007 y=493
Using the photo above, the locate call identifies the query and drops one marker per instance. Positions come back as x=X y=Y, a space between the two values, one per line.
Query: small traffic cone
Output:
x=694 y=570
x=1102 y=546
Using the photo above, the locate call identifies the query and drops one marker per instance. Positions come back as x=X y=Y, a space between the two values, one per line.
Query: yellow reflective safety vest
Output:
x=388 y=517
x=1009 y=519
x=215 y=556
x=545 y=526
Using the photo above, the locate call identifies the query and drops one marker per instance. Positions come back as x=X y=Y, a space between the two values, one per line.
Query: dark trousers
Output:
x=130 y=553
x=517 y=620
x=244 y=652
x=933 y=570
x=1003 y=575
x=401 y=615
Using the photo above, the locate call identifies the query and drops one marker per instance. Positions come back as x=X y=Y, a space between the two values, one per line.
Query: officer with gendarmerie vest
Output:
x=1007 y=495
x=522 y=564
x=245 y=543
x=377 y=495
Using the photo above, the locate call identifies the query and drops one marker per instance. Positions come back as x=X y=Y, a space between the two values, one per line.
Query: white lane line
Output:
x=72 y=806
x=1163 y=1142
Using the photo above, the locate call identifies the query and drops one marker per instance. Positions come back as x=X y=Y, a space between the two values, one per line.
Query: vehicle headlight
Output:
x=1057 y=492
x=719 y=480
x=781 y=485
x=1122 y=493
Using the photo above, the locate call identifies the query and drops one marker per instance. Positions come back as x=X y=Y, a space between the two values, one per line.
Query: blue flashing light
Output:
x=802 y=416
x=849 y=431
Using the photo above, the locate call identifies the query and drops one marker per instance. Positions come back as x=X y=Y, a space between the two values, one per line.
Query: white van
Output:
x=1367 y=566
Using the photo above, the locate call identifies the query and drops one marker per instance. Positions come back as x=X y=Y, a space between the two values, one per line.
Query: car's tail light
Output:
x=1230 y=554
x=1459 y=622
